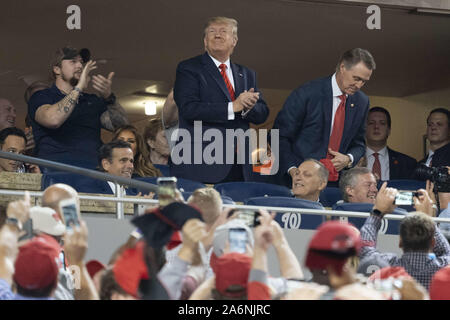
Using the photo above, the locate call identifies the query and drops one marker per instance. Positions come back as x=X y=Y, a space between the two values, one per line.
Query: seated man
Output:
x=115 y=158
x=358 y=185
x=14 y=140
x=425 y=249
x=438 y=134
x=310 y=178
x=385 y=163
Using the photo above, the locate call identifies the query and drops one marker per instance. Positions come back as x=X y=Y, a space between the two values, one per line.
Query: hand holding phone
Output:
x=405 y=198
x=69 y=209
x=237 y=238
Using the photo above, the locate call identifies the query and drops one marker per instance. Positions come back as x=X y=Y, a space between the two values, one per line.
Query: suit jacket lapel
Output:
x=239 y=80
x=215 y=74
x=327 y=108
x=393 y=167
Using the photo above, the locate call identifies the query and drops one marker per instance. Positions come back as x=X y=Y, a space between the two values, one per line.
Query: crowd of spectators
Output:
x=195 y=255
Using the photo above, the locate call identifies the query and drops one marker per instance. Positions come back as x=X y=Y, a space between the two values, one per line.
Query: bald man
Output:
x=7 y=114
x=55 y=193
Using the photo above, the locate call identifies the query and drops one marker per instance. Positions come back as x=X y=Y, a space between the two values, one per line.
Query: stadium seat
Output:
x=387 y=226
x=184 y=185
x=225 y=199
x=165 y=169
x=239 y=191
x=291 y=220
x=329 y=196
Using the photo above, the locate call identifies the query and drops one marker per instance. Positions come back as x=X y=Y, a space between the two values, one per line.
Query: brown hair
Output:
x=142 y=165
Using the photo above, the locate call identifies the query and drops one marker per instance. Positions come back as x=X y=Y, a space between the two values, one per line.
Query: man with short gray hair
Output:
x=330 y=115
x=358 y=185
x=310 y=178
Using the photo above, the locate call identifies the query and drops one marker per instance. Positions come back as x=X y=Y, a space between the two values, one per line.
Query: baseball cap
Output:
x=232 y=269
x=47 y=220
x=440 y=284
x=158 y=225
x=68 y=53
x=130 y=268
x=390 y=272
x=332 y=244
x=93 y=267
x=36 y=266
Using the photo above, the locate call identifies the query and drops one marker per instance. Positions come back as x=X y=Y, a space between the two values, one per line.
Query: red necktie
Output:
x=376 y=168
x=223 y=68
x=338 y=127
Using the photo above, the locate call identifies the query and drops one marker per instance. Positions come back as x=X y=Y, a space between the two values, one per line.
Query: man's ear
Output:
x=57 y=70
x=106 y=164
x=323 y=185
x=151 y=143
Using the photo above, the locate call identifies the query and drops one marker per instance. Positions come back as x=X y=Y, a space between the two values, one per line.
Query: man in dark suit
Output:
x=385 y=163
x=438 y=134
x=213 y=93
x=115 y=158
x=325 y=118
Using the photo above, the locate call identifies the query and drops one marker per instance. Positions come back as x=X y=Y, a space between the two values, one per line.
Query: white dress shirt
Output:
x=113 y=188
x=383 y=156
x=229 y=73
x=336 y=102
x=430 y=156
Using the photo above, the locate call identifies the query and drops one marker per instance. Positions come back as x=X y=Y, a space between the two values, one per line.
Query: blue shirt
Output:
x=77 y=140
x=7 y=294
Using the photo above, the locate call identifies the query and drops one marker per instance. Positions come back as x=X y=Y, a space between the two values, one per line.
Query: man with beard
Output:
x=66 y=121
x=326 y=118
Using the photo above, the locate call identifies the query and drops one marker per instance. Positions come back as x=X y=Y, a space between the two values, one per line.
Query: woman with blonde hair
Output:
x=142 y=166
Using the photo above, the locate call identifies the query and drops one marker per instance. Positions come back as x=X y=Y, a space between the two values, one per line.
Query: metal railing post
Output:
x=119 y=205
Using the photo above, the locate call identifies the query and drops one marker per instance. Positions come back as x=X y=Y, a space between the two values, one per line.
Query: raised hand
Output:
x=84 y=78
x=103 y=85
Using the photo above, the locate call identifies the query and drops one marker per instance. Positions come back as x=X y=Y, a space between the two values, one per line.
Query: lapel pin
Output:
x=352 y=105
x=241 y=75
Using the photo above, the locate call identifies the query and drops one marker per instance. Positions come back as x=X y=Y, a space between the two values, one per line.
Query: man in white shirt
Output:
x=385 y=163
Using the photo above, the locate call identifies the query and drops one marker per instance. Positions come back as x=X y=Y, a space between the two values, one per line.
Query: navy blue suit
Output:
x=201 y=95
x=401 y=166
x=100 y=186
x=304 y=124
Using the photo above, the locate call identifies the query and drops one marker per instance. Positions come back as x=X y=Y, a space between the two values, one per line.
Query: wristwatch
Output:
x=14 y=222
x=376 y=212
x=111 y=99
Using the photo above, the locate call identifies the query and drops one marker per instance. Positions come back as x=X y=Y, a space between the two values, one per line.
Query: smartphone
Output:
x=405 y=198
x=27 y=232
x=251 y=218
x=69 y=210
x=237 y=238
x=166 y=190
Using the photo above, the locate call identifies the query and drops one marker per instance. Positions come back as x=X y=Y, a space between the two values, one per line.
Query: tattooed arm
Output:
x=114 y=117
x=53 y=116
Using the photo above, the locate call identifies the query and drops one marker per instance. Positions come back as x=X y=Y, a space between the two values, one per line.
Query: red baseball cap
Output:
x=440 y=285
x=232 y=269
x=332 y=244
x=94 y=266
x=36 y=266
x=390 y=272
x=130 y=268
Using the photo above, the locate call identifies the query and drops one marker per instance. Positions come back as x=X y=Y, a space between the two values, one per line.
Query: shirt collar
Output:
x=218 y=63
x=383 y=152
x=334 y=86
